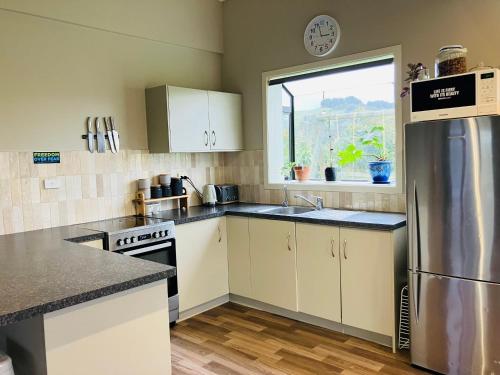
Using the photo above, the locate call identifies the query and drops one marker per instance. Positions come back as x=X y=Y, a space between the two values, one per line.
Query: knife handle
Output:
x=89 y=124
x=112 y=123
x=97 y=124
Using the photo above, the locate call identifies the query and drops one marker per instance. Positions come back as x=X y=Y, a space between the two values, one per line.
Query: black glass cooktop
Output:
x=121 y=224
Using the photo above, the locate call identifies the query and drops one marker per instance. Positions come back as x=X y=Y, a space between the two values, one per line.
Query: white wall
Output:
x=63 y=60
x=264 y=35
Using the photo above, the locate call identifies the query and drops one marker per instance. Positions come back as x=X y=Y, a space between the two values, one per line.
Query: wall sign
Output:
x=46 y=157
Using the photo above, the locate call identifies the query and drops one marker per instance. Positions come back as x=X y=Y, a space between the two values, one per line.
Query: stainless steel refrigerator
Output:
x=453 y=210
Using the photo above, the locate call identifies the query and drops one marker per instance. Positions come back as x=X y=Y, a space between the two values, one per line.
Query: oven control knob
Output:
x=161 y=233
x=119 y=242
x=166 y=233
x=127 y=241
x=132 y=239
x=156 y=235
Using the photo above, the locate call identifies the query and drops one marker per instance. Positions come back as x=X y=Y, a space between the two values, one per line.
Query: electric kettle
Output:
x=209 y=195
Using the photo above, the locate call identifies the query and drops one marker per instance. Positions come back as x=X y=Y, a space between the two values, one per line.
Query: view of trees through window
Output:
x=333 y=115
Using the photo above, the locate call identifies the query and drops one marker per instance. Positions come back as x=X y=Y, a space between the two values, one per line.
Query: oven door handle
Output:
x=147 y=249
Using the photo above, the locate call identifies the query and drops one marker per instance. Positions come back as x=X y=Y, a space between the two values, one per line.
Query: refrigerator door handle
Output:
x=415 y=286
x=415 y=230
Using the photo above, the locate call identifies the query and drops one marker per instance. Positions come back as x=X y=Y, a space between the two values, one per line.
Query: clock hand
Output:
x=320 y=33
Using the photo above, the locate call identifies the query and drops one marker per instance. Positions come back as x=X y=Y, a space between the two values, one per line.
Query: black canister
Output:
x=156 y=191
x=176 y=186
x=166 y=191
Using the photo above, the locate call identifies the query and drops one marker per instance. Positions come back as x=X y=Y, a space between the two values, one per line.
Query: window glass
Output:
x=335 y=114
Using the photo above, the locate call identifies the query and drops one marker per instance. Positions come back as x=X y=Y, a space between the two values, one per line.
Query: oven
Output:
x=161 y=252
x=144 y=238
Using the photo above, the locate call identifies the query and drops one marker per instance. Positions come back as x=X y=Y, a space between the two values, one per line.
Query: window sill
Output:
x=340 y=186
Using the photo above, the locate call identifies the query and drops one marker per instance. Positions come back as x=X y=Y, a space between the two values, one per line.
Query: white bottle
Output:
x=5 y=365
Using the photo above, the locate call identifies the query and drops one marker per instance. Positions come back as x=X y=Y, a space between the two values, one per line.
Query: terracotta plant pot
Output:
x=302 y=173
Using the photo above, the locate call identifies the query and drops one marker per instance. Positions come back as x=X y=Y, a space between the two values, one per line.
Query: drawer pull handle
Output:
x=220 y=235
x=332 y=248
x=345 y=246
x=288 y=241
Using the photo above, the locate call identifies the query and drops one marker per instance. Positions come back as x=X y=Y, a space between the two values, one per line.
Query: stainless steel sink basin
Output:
x=292 y=210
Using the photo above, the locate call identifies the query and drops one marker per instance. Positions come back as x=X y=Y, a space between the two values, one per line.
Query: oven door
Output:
x=163 y=252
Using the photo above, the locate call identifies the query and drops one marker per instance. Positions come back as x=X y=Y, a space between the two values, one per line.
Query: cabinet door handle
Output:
x=220 y=235
x=215 y=138
x=288 y=241
x=345 y=245
x=206 y=137
x=332 y=248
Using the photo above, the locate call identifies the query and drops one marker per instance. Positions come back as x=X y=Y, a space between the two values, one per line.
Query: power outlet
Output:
x=51 y=183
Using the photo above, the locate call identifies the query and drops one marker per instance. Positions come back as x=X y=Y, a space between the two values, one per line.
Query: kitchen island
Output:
x=69 y=308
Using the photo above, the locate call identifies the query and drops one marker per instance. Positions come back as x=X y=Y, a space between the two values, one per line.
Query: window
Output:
x=341 y=115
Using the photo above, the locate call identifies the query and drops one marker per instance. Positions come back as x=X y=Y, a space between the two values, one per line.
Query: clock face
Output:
x=321 y=36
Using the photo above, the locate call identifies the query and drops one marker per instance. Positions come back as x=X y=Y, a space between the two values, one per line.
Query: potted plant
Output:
x=302 y=168
x=381 y=168
x=412 y=75
x=330 y=172
x=286 y=170
x=350 y=154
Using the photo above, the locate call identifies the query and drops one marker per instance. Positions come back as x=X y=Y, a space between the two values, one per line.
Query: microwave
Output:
x=462 y=95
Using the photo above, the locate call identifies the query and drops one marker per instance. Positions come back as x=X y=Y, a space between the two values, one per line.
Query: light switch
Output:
x=51 y=183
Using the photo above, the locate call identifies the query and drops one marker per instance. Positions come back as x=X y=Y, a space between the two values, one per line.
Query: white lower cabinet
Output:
x=345 y=275
x=201 y=262
x=273 y=262
x=238 y=243
x=318 y=271
x=368 y=280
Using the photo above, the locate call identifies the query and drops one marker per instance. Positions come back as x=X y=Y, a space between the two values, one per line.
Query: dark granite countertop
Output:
x=47 y=270
x=327 y=216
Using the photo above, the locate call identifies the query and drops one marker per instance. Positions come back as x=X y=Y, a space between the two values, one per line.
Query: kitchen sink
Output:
x=292 y=210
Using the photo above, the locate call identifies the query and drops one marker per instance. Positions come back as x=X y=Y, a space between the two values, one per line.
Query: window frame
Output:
x=343 y=62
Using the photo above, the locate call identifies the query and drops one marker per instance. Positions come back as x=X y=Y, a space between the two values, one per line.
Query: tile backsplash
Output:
x=92 y=186
x=101 y=186
x=247 y=170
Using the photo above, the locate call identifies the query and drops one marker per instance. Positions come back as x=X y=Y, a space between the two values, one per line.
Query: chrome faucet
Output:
x=319 y=201
x=285 y=193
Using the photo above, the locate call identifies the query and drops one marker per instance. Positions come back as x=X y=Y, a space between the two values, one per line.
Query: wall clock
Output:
x=322 y=35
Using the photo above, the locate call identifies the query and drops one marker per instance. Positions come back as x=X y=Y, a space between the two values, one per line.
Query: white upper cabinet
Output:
x=188 y=124
x=189 y=120
x=226 y=132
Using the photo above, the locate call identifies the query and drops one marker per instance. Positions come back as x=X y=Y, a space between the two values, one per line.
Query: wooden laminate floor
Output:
x=233 y=339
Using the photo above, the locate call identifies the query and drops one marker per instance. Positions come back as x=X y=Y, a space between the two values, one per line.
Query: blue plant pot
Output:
x=380 y=171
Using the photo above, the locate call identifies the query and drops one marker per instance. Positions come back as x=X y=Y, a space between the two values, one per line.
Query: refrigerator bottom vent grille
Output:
x=404 y=320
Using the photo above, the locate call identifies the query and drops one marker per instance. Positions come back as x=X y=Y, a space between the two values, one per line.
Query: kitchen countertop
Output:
x=47 y=270
x=344 y=218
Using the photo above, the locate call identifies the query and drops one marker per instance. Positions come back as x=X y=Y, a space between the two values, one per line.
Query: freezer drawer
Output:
x=455 y=324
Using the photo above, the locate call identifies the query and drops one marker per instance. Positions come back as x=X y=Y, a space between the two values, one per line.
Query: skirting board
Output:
x=313 y=320
x=183 y=315
x=301 y=317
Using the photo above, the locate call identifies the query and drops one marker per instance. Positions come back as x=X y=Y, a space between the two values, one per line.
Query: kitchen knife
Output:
x=107 y=124
x=90 y=134
x=101 y=146
x=116 y=137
